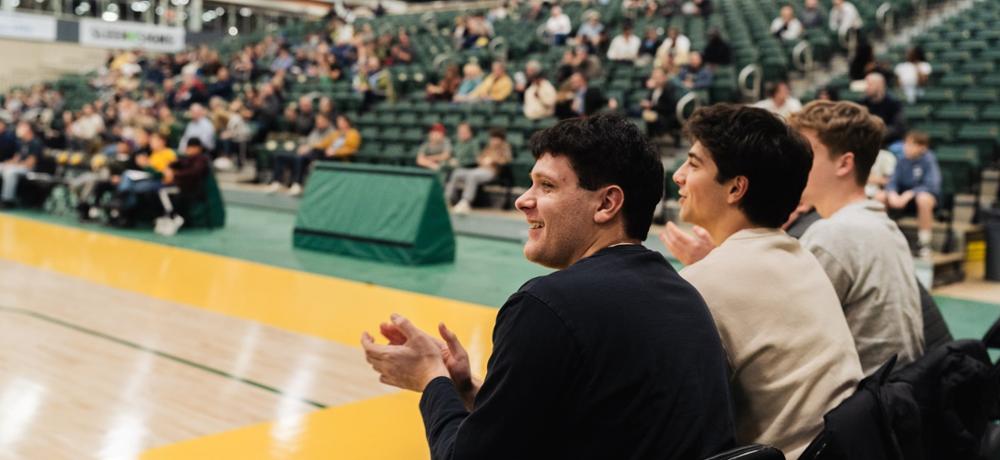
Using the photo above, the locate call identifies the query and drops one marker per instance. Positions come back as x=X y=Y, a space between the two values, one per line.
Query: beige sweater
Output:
x=791 y=353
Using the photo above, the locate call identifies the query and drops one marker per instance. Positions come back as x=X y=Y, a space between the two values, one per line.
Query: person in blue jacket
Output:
x=915 y=184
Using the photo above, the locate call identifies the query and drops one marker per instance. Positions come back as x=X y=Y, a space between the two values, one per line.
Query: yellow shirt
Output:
x=160 y=160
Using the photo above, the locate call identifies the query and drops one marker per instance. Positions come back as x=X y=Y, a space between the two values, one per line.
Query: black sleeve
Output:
x=529 y=371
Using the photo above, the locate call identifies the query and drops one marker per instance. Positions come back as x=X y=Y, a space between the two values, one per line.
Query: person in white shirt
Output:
x=539 y=94
x=844 y=16
x=913 y=73
x=786 y=26
x=590 y=32
x=558 y=26
x=674 y=50
x=781 y=101
x=625 y=47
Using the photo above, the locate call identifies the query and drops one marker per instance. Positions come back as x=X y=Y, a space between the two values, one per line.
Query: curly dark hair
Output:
x=608 y=149
x=758 y=145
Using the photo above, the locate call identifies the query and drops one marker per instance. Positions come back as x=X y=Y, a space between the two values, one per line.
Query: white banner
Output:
x=131 y=35
x=28 y=27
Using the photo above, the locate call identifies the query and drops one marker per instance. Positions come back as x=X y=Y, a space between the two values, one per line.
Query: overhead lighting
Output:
x=15 y=3
x=246 y=12
x=179 y=2
x=208 y=16
x=82 y=8
x=220 y=11
x=109 y=16
x=140 y=7
x=233 y=31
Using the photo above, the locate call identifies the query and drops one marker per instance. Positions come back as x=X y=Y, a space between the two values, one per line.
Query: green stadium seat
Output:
x=918 y=112
x=956 y=112
x=937 y=96
x=962 y=163
x=980 y=95
x=990 y=113
x=957 y=81
x=982 y=135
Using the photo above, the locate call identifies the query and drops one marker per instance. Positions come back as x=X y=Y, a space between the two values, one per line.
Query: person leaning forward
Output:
x=613 y=355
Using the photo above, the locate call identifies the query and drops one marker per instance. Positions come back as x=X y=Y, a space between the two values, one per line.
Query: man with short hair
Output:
x=790 y=350
x=199 y=126
x=786 y=26
x=611 y=356
x=27 y=156
x=496 y=87
x=915 y=184
x=863 y=252
x=625 y=47
x=881 y=104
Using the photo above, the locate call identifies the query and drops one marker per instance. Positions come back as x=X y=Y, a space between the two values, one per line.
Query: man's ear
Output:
x=845 y=164
x=612 y=199
x=738 y=188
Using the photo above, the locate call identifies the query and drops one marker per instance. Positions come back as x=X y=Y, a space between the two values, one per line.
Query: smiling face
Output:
x=559 y=212
x=702 y=198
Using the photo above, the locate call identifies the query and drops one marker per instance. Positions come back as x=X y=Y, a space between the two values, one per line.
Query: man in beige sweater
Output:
x=790 y=350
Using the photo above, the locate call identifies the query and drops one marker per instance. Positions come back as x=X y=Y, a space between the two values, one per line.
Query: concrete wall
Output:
x=26 y=62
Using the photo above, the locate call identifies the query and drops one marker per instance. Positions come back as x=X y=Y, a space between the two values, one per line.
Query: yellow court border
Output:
x=321 y=306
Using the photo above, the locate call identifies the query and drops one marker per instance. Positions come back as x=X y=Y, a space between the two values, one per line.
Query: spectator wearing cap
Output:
x=435 y=152
x=494 y=156
x=625 y=47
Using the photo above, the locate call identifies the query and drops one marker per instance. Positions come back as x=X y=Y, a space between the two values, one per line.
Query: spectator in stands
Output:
x=327 y=108
x=717 y=51
x=345 y=141
x=472 y=77
x=402 y=51
x=447 y=87
x=577 y=98
x=558 y=26
x=305 y=116
x=590 y=32
x=466 y=148
x=701 y=8
x=695 y=75
x=913 y=74
x=494 y=156
x=539 y=94
x=222 y=86
x=579 y=59
x=283 y=61
x=828 y=93
x=915 y=185
x=674 y=50
x=187 y=174
x=787 y=382
x=844 y=17
x=881 y=104
x=658 y=108
x=8 y=141
x=780 y=101
x=650 y=43
x=234 y=137
x=882 y=170
x=811 y=16
x=311 y=148
x=786 y=26
x=199 y=126
x=436 y=151
x=147 y=179
x=625 y=47
x=373 y=82
x=544 y=396
x=85 y=132
x=29 y=153
x=498 y=13
x=873 y=276
x=191 y=91
x=496 y=87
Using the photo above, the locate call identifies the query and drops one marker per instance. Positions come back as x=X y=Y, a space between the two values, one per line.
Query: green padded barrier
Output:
x=382 y=213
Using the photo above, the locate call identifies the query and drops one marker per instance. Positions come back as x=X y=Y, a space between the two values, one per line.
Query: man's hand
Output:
x=453 y=354
x=411 y=359
x=687 y=248
x=168 y=176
